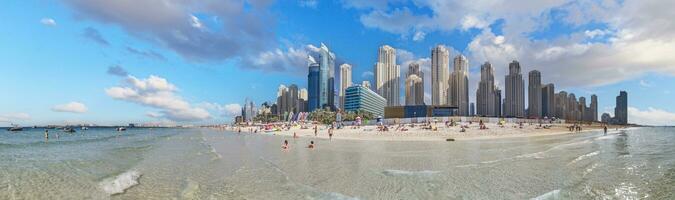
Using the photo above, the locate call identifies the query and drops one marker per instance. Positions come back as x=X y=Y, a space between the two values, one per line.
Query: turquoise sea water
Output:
x=197 y=163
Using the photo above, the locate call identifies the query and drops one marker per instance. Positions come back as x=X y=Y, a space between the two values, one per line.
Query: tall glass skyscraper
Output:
x=313 y=87
x=326 y=78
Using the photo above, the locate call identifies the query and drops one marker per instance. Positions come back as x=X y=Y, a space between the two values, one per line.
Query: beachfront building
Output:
x=248 y=111
x=594 y=108
x=548 y=100
x=302 y=100
x=313 y=90
x=561 y=105
x=459 y=86
x=414 y=91
x=572 y=107
x=440 y=62
x=534 y=99
x=289 y=100
x=359 y=97
x=498 y=103
x=514 y=102
x=345 y=82
x=487 y=102
x=326 y=78
x=621 y=109
x=583 y=110
x=472 y=109
x=387 y=75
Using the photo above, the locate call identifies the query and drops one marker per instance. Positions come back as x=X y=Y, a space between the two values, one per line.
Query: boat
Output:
x=85 y=128
x=121 y=129
x=15 y=128
x=68 y=130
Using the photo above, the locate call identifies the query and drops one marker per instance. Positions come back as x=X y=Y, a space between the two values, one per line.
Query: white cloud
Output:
x=308 y=3
x=644 y=83
x=226 y=110
x=651 y=116
x=48 y=22
x=367 y=74
x=419 y=36
x=596 y=33
x=157 y=92
x=195 y=22
x=13 y=117
x=72 y=107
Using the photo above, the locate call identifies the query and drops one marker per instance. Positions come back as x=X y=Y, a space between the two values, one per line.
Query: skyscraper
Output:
x=440 y=62
x=302 y=106
x=621 y=109
x=414 y=85
x=313 y=89
x=534 y=107
x=459 y=86
x=472 y=109
x=594 y=108
x=486 y=99
x=326 y=77
x=282 y=100
x=514 y=102
x=572 y=107
x=548 y=100
x=583 y=115
x=498 y=103
x=561 y=105
x=293 y=98
x=414 y=92
x=387 y=75
x=345 y=81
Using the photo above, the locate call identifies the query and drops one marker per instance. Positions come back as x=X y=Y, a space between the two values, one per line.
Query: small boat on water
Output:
x=121 y=129
x=15 y=128
x=85 y=128
x=68 y=130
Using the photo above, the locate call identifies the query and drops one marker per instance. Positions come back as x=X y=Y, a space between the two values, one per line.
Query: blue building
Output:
x=358 y=97
x=327 y=78
x=313 y=87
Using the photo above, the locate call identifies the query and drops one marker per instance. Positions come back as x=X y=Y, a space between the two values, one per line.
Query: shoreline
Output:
x=369 y=132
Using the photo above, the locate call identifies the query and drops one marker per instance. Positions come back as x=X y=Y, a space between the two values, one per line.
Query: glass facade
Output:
x=313 y=87
x=361 y=98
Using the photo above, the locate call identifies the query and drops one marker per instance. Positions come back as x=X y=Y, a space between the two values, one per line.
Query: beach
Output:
x=442 y=132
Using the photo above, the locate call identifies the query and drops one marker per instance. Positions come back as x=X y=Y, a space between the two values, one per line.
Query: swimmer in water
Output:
x=46 y=134
x=285 y=145
x=311 y=145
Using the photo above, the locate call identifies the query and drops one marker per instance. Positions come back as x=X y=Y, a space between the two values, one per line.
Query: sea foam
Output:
x=395 y=172
x=120 y=183
x=555 y=194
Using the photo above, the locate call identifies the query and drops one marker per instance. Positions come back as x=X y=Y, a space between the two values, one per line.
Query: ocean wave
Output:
x=555 y=194
x=395 y=172
x=581 y=157
x=121 y=182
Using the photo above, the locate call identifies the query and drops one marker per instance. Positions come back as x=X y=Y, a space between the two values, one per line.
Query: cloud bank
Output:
x=72 y=107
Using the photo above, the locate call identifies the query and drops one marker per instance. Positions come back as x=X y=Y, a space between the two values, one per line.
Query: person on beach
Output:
x=285 y=145
x=316 y=131
x=605 y=129
x=330 y=133
x=295 y=135
x=311 y=145
x=46 y=134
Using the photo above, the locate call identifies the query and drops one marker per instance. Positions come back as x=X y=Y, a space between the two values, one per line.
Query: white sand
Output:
x=418 y=134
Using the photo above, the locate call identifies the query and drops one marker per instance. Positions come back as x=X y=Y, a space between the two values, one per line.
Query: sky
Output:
x=196 y=61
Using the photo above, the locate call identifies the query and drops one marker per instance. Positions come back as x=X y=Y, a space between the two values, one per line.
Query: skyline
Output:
x=84 y=64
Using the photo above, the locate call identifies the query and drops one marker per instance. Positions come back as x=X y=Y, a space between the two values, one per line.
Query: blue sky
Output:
x=194 y=62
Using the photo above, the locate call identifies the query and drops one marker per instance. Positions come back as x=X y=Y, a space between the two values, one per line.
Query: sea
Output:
x=201 y=163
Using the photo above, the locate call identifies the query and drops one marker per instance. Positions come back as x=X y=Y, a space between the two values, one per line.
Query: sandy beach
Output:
x=418 y=133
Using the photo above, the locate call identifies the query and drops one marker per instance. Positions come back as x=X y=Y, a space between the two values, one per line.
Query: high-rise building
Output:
x=313 y=89
x=498 y=103
x=440 y=62
x=583 y=114
x=621 y=109
x=414 y=92
x=472 y=109
x=345 y=81
x=594 y=108
x=534 y=107
x=293 y=99
x=561 y=105
x=459 y=86
x=387 y=75
x=486 y=98
x=414 y=85
x=248 y=111
x=282 y=100
x=514 y=102
x=302 y=106
x=358 y=97
x=326 y=77
x=548 y=100
x=572 y=107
